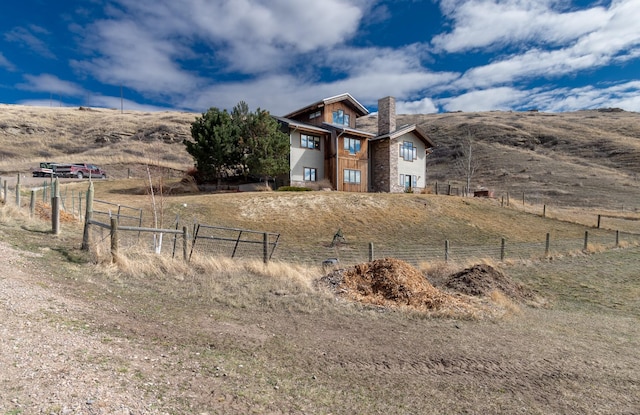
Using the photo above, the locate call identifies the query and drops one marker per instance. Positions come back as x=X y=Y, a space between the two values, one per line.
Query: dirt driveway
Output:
x=94 y=347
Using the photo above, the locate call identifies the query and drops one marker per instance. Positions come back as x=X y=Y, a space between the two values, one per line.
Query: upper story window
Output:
x=309 y=141
x=352 y=145
x=408 y=152
x=314 y=115
x=339 y=117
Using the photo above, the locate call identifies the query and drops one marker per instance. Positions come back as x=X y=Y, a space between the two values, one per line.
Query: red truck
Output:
x=77 y=170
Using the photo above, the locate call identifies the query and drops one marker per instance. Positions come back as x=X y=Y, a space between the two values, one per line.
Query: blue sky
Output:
x=279 y=55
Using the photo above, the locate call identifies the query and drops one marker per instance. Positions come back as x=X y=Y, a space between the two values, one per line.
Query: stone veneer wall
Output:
x=394 y=154
x=386 y=115
x=380 y=165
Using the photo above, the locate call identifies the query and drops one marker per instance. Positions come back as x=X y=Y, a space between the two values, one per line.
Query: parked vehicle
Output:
x=45 y=169
x=77 y=170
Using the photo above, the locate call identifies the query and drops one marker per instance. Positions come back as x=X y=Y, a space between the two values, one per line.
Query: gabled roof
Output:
x=300 y=125
x=404 y=129
x=338 y=98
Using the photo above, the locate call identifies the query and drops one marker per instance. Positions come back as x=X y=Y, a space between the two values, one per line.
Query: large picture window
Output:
x=310 y=174
x=309 y=141
x=352 y=145
x=339 y=117
x=408 y=152
x=352 y=176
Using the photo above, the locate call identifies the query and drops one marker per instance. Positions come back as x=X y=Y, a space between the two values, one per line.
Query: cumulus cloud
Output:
x=422 y=106
x=503 y=98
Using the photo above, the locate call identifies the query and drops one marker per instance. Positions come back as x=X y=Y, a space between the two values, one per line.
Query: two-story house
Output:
x=325 y=145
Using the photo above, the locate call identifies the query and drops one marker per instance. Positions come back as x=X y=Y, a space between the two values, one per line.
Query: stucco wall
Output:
x=305 y=157
x=414 y=168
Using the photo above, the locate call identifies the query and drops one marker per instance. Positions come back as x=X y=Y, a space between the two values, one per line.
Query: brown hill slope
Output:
x=586 y=158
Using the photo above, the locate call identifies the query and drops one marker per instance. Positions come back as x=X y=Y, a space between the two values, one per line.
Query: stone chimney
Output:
x=386 y=115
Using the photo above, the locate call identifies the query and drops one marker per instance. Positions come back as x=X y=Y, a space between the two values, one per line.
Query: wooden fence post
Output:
x=370 y=251
x=18 y=191
x=87 y=216
x=446 y=250
x=265 y=248
x=32 y=203
x=547 y=245
x=599 y=216
x=185 y=241
x=617 y=239
x=522 y=198
x=436 y=186
x=586 y=240
x=544 y=211
x=5 y=191
x=55 y=208
x=114 y=239
x=502 y=248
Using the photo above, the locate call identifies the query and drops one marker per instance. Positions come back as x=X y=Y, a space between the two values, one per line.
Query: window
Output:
x=310 y=174
x=309 y=141
x=352 y=176
x=408 y=152
x=408 y=181
x=352 y=145
x=339 y=117
x=314 y=115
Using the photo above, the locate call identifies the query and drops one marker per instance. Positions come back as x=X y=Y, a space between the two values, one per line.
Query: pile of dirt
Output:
x=390 y=282
x=43 y=211
x=481 y=280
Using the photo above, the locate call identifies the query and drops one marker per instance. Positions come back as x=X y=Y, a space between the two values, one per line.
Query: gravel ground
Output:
x=51 y=362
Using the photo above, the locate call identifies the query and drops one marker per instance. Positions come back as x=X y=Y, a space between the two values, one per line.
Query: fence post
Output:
x=586 y=240
x=5 y=191
x=18 y=191
x=502 y=202
x=185 y=235
x=87 y=216
x=32 y=203
x=544 y=211
x=370 y=251
x=114 y=239
x=522 y=198
x=617 y=239
x=599 y=216
x=436 y=186
x=502 y=249
x=446 y=250
x=55 y=208
x=265 y=248
x=547 y=245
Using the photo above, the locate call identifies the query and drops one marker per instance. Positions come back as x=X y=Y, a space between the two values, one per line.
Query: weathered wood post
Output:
x=547 y=245
x=502 y=201
x=522 y=198
x=185 y=241
x=18 y=191
x=446 y=250
x=114 y=239
x=55 y=208
x=265 y=248
x=503 y=243
x=32 y=203
x=508 y=199
x=544 y=211
x=370 y=251
x=617 y=239
x=436 y=186
x=87 y=219
x=586 y=240
x=5 y=191
x=599 y=216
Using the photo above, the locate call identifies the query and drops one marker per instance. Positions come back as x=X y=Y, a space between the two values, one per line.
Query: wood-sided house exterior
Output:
x=325 y=144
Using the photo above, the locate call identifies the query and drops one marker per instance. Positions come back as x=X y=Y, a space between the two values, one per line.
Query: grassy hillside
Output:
x=587 y=158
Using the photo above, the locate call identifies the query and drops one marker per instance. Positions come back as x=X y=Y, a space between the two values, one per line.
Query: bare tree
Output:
x=467 y=163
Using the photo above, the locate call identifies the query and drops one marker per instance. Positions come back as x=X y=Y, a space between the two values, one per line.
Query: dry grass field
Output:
x=148 y=334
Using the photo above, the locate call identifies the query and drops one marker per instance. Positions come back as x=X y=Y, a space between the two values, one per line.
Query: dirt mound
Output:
x=481 y=280
x=390 y=282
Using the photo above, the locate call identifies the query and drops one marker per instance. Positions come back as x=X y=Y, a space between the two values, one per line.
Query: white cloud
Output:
x=5 y=63
x=503 y=98
x=51 y=84
x=422 y=106
x=492 y=23
x=617 y=40
x=29 y=37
